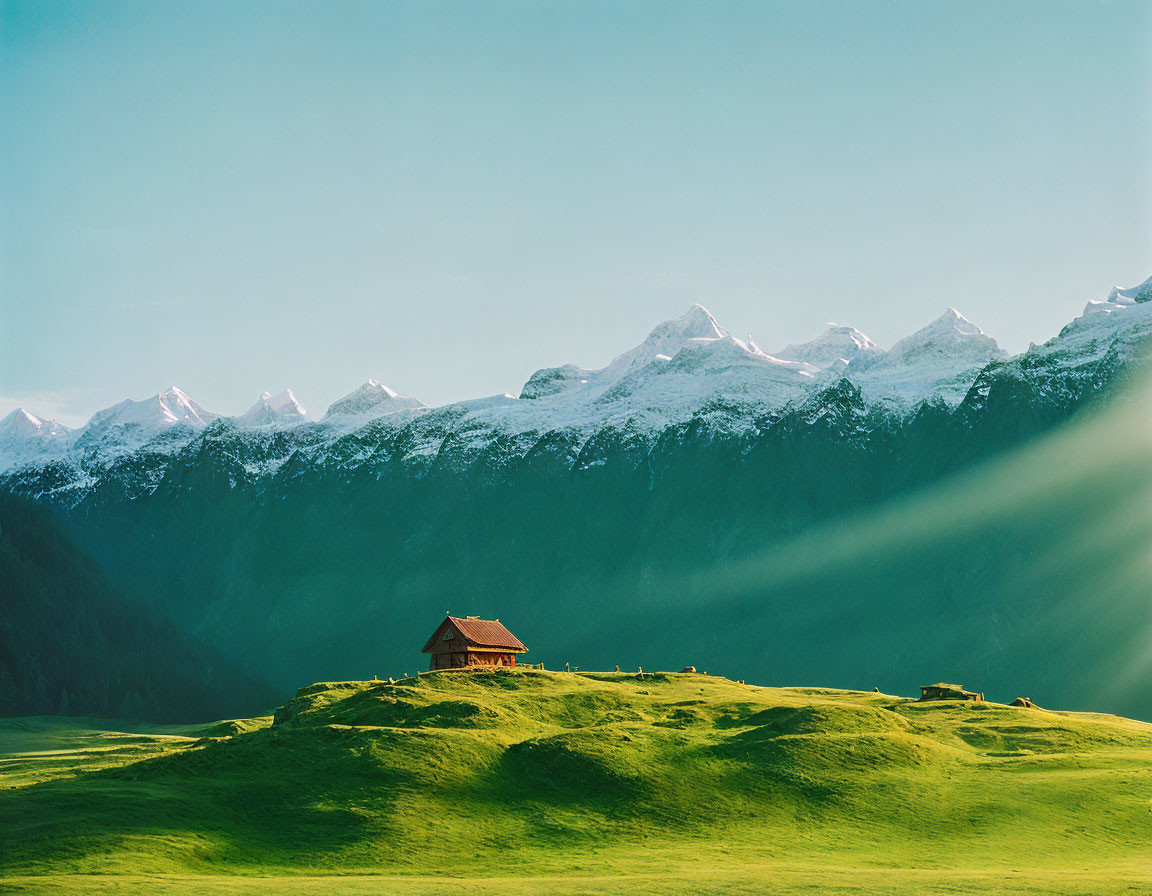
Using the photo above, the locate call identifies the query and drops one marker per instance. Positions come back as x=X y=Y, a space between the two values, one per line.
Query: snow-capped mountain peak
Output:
x=167 y=408
x=21 y=421
x=695 y=323
x=666 y=339
x=660 y=346
x=24 y=437
x=23 y=424
x=834 y=344
x=686 y=366
x=955 y=322
x=371 y=400
x=274 y=410
x=1120 y=298
x=941 y=359
x=174 y=406
x=951 y=335
x=373 y=384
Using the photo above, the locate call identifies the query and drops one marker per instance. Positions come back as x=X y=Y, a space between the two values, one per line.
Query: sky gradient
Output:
x=234 y=197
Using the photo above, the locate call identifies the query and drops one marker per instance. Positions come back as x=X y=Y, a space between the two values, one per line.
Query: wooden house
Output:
x=471 y=642
x=942 y=691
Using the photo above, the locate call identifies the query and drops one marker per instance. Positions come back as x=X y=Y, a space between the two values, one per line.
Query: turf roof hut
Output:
x=471 y=642
x=942 y=691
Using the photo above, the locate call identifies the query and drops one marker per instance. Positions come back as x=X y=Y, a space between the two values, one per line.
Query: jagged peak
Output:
x=274 y=409
x=1120 y=298
x=840 y=398
x=954 y=320
x=840 y=389
x=836 y=343
x=22 y=415
x=166 y=408
x=371 y=399
x=695 y=323
x=379 y=386
x=949 y=334
x=23 y=422
x=1137 y=294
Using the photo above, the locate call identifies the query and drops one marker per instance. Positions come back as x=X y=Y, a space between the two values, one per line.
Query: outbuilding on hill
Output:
x=943 y=691
x=472 y=642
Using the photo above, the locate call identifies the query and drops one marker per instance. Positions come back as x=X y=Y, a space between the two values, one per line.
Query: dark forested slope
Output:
x=70 y=644
x=314 y=554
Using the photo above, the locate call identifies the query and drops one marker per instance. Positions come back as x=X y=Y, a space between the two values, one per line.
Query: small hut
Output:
x=942 y=691
x=472 y=642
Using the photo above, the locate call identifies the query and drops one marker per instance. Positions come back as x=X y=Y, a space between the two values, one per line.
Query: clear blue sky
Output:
x=243 y=196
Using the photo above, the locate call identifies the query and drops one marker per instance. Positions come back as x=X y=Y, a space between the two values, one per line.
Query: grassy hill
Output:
x=541 y=782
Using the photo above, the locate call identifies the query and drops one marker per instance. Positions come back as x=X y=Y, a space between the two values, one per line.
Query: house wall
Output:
x=449 y=660
x=485 y=658
x=462 y=659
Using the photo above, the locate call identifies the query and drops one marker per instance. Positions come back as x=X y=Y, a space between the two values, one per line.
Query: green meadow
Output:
x=557 y=783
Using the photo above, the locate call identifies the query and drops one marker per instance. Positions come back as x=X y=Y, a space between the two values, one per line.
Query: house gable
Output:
x=471 y=633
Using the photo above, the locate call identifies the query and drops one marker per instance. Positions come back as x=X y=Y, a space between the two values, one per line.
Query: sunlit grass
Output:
x=532 y=782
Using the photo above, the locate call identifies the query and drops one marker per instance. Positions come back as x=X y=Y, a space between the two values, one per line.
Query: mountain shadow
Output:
x=71 y=644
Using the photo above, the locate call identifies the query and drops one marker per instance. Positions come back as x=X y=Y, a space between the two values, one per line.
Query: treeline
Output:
x=70 y=644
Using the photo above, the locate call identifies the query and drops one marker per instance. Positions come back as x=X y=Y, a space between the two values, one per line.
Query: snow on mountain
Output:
x=942 y=359
x=834 y=344
x=368 y=402
x=553 y=380
x=705 y=366
x=487 y=402
x=1121 y=324
x=274 y=410
x=665 y=339
x=24 y=437
x=166 y=408
x=126 y=426
x=686 y=367
x=23 y=425
x=951 y=336
x=683 y=366
x=1118 y=299
x=662 y=343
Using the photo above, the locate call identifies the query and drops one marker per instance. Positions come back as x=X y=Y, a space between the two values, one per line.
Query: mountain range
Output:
x=683 y=365
x=601 y=512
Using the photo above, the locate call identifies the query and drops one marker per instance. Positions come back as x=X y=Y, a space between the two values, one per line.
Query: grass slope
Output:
x=529 y=782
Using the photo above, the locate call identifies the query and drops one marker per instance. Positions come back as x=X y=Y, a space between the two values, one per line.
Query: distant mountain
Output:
x=942 y=360
x=320 y=550
x=683 y=368
x=370 y=401
x=25 y=438
x=274 y=410
x=835 y=344
x=1119 y=299
x=127 y=426
x=166 y=408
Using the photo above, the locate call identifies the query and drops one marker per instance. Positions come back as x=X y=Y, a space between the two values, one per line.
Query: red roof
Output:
x=478 y=633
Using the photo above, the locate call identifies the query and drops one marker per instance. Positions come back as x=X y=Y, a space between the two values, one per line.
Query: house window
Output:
x=448 y=635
